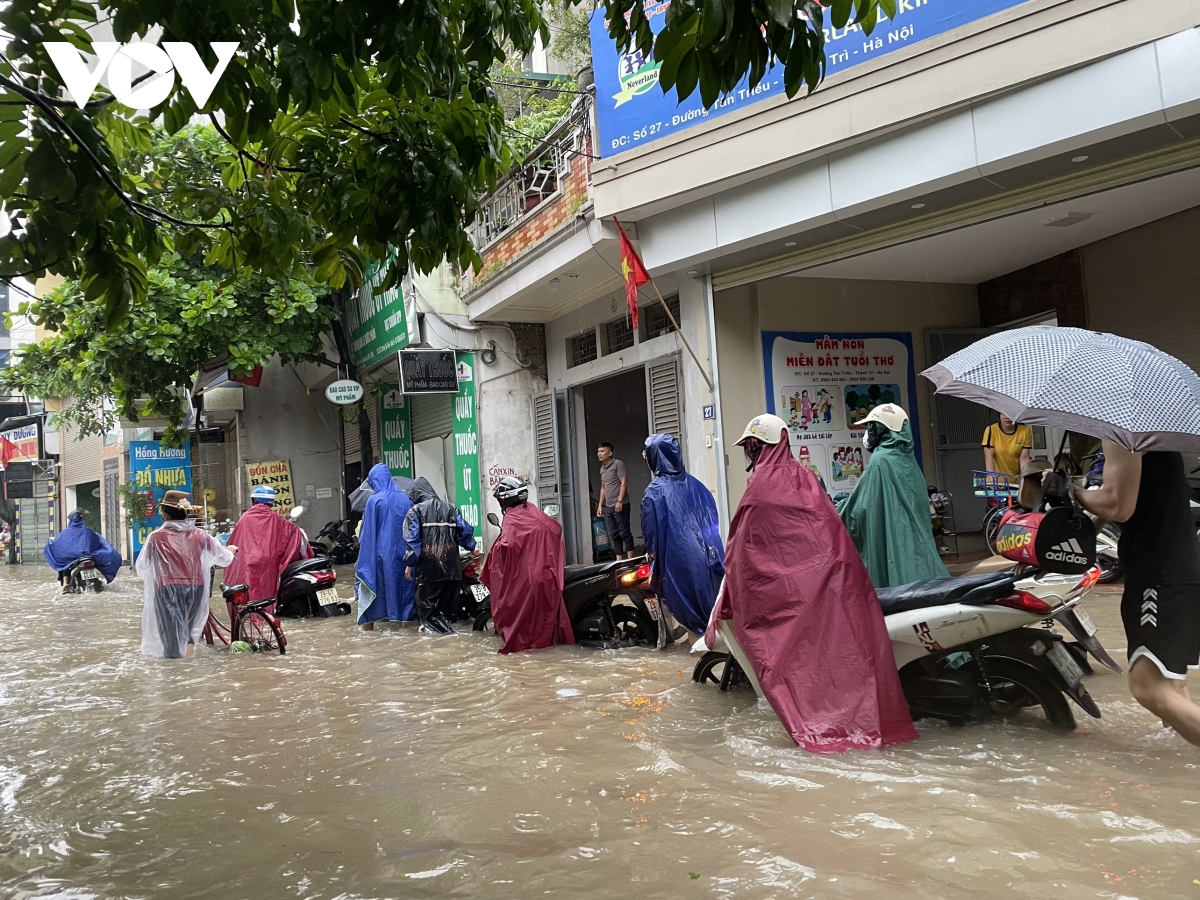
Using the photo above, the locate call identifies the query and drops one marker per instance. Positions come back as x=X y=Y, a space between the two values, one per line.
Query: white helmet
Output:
x=767 y=428
x=889 y=414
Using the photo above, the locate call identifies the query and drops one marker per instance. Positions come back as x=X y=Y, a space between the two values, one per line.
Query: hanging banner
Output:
x=395 y=433
x=824 y=385
x=376 y=324
x=466 y=442
x=25 y=442
x=632 y=109
x=154 y=470
x=276 y=473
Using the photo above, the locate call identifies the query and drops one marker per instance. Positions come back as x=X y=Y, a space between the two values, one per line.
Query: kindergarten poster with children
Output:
x=824 y=385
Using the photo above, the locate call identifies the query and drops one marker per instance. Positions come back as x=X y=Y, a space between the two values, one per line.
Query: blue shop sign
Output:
x=632 y=109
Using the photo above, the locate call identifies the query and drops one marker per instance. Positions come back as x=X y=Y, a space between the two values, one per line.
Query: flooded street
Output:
x=397 y=765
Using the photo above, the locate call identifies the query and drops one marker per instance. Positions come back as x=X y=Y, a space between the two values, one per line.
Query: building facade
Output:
x=970 y=166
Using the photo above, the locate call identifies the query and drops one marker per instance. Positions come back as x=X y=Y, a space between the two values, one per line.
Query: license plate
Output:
x=1085 y=620
x=1065 y=663
x=89 y=574
x=652 y=605
x=480 y=592
x=328 y=596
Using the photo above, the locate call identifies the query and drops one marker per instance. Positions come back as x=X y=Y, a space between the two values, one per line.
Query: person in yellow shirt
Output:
x=1006 y=446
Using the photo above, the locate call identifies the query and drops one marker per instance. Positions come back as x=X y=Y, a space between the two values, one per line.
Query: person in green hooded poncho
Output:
x=888 y=513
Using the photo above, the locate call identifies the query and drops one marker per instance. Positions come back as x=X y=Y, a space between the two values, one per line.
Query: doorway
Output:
x=615 y=412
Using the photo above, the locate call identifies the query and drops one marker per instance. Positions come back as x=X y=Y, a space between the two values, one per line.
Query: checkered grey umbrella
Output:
x=1099 y=384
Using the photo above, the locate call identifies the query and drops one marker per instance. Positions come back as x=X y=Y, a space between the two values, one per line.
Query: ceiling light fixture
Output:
x=691 y=271
x=789 y=243
x=1066 y=220
x=918 y=206
x=554 y=285
x=1079 y=159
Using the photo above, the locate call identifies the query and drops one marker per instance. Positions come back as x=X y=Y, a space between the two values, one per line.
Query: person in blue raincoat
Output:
x=682 y=534
x=77 y=541
x=384 y=594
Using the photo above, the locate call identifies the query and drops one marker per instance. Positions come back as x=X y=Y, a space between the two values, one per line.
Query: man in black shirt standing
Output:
x=1148 y=493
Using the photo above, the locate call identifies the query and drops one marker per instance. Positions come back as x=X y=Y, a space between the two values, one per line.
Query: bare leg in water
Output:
x=1167 y=698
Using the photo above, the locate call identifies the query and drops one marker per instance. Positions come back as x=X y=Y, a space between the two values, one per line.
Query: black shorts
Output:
x=1162 y=623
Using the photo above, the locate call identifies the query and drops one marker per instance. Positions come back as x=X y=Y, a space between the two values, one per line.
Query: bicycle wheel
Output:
x=991 y=527
x=260 y=632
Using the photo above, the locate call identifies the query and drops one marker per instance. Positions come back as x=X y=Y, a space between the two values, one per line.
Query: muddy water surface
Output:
x=398 y=765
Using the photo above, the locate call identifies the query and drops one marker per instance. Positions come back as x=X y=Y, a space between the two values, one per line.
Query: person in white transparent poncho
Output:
x=174 y=566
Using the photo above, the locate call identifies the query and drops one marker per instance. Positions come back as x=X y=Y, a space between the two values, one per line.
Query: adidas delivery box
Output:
x=1062 y=540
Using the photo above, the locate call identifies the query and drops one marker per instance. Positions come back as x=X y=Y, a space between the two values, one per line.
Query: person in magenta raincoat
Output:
x=524 y=572
x=804 y=610
x=267 y=543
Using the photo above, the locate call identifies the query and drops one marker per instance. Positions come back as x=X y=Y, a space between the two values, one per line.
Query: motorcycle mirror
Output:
x=494 y=519
x=297 y=512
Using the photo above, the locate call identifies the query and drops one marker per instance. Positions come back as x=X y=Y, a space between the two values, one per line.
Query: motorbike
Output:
x=83 y=577
x=474 y=596
x=589 y=594
x=973 y=648
x=340 y=546
x=306 y=586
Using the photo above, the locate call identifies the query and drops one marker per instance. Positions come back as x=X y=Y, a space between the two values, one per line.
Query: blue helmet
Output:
x=263 y=494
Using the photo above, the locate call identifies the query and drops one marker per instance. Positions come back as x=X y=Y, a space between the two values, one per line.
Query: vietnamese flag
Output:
x=633 y=272
x=8 y=450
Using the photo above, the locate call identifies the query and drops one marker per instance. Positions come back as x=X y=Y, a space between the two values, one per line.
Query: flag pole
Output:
x=679 y=332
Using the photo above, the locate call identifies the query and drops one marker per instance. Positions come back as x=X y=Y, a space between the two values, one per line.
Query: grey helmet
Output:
x=510 y=492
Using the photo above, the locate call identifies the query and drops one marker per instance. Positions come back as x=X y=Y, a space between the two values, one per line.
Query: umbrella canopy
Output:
x=360 y=495
x=1098 y=384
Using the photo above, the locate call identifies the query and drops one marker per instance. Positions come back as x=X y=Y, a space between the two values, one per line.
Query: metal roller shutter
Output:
x=662 y=387
x=432 y=416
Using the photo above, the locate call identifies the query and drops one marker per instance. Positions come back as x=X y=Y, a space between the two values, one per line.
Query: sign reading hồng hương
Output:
x=154 y=470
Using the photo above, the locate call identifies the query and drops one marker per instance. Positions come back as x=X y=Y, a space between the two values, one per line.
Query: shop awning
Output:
x=215 y=373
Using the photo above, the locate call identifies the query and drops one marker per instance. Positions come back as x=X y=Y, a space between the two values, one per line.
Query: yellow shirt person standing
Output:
x=1006 y=446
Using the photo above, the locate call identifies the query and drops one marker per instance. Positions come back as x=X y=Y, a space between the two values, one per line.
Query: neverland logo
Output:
x=117 y=60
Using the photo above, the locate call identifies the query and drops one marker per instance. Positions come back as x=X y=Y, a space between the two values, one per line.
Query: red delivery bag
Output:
x=1061 y=540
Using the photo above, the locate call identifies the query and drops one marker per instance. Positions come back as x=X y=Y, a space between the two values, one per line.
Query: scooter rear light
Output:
x=87 y=564
x=1026 y=602
x=643 y=572
x=324 y=577
x=1089 y=580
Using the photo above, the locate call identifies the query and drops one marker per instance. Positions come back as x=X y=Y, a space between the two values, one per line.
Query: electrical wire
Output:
x=476 y=329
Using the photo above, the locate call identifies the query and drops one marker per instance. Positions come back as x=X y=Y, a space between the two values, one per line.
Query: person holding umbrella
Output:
x=1144 y=405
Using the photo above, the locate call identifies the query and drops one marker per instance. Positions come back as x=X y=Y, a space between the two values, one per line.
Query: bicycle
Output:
x=994 y=487
x=255 y=623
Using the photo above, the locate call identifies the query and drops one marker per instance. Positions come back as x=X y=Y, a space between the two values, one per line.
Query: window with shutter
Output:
x=662 y=387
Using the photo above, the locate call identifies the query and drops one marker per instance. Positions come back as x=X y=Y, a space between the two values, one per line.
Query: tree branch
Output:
x=379 y=137
x=246 y=154
x=142 y=210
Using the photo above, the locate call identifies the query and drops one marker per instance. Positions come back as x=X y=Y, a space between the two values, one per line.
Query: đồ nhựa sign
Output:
x=428 y=372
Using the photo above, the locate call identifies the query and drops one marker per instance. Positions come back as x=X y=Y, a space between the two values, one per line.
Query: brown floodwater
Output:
x=392 y=764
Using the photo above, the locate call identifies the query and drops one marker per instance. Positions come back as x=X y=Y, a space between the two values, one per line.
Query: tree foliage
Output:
x=713 y=44
x=192 y=310
x=359 y=126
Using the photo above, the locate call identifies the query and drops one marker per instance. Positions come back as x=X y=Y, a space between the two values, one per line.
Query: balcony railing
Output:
x=537 y=180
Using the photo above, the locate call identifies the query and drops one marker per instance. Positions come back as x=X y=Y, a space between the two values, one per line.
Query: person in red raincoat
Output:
x=803 y=607
x=524 y=572
x=266 y=543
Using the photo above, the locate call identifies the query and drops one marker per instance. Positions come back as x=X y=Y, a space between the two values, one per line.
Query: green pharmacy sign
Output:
x=376 y=324
x=395 y=432
x=466 y=442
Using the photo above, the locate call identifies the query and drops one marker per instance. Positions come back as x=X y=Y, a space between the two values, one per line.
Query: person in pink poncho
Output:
x=804 y=610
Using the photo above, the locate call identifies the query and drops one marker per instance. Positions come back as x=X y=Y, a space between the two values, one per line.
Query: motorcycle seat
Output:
x=306 y=565
x=974 y=590
x=571 y=574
